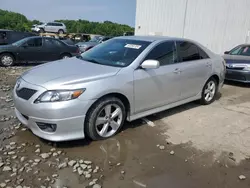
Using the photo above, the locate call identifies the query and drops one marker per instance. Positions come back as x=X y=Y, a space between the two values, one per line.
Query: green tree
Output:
x=16 y=21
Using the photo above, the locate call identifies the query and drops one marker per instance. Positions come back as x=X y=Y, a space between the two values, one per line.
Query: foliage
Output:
x=16 y=21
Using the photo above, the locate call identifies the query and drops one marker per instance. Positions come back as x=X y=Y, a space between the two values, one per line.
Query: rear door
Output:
x=52 y=49
x=157 y=87
x=33 y=50
x=196 y=66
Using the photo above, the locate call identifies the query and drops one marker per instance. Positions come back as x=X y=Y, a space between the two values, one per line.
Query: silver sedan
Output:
x=125 y=78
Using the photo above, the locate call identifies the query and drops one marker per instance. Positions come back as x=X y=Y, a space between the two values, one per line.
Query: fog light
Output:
x=47 y=127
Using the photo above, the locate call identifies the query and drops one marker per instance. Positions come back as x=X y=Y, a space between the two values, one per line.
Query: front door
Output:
x=32 y=50
x=195 y=65
x=49 y=27
x=157 y=87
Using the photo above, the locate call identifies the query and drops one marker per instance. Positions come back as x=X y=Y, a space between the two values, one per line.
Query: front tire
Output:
x=42 y=30
x=209 y=92
x=7 y=60
x=105 y=118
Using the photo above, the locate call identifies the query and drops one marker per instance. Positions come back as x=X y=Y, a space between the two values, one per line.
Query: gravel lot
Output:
x=188 y=146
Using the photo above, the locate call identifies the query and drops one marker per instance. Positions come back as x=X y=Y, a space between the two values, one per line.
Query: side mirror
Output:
x=226 y=52
x=150 y=64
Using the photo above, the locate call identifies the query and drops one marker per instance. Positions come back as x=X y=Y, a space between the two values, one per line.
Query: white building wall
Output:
x=218 y=24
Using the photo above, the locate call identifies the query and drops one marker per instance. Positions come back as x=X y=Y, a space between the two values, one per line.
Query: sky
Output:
x=119 y=11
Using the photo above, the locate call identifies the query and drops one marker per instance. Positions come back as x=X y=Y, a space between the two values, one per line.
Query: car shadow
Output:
x=32 y=64
x=134 y=124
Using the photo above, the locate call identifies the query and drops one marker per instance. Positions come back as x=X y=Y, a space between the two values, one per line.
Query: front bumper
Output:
x=238 y=75
x=69 y=116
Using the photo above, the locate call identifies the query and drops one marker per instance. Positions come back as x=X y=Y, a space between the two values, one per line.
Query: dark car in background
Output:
x=238 y=63
x=85 y=46
x=36 y=49
x=10 y=36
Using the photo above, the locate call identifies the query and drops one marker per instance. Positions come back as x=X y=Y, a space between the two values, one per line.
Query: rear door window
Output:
x=165 y=53
x=189 y=52
x=53 y=43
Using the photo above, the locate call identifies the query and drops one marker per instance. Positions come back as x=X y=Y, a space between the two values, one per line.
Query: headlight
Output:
x=59 y=95
x=247 y=67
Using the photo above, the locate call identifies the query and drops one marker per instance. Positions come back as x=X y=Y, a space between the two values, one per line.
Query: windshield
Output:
x=115 y=52
x=241 y=50
x=20 y=42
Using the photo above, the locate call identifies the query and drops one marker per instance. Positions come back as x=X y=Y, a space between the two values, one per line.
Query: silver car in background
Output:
x=50 y=27
x=125 y=78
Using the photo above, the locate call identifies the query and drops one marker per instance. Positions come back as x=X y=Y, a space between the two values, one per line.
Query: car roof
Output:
x=150 y=38
x=41 y=37
x=5 y=30
x=243 y=45
x=55 y=22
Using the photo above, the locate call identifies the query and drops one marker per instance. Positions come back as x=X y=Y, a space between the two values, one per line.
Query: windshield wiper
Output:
x=92 y=61
x=89 y=60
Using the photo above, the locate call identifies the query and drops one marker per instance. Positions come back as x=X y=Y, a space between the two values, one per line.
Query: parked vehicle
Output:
x=124 y=78
x=36 y=49
x=53 y=27
x=85 y=46
x=238 y=63
x=67 y=41
x=10 y=36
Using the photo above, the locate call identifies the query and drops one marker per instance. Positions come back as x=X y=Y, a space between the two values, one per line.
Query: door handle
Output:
x=177 y=71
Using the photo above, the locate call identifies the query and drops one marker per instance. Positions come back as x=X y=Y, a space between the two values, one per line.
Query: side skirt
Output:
x=162 y=108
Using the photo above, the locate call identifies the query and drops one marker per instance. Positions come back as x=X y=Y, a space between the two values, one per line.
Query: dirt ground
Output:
x=191 y=146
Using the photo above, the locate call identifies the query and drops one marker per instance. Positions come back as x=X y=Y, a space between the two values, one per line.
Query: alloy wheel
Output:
x=210 y=91
x=7 y=60
x=109 y=120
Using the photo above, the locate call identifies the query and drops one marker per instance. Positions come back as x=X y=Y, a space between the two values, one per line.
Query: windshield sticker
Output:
x=134 y=46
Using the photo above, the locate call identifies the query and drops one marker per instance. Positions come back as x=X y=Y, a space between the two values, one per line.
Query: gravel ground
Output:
x=189 y=146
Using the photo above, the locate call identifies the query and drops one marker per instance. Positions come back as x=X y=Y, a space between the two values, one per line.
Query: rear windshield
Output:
x=115 y=52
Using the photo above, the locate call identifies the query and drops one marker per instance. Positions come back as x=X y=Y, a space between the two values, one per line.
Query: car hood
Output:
x=236 y=59
x=67 y=72
x=6 y=46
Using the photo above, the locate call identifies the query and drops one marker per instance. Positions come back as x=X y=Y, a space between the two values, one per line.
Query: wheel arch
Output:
x=65 y=53
x=118 y=95
x=11 y=53
x=216 y=77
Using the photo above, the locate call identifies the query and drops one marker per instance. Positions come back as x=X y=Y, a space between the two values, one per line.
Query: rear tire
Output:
x=105 y=118
x=209 y=92
x=60 y=32
x=65 y=56
x=7 y=60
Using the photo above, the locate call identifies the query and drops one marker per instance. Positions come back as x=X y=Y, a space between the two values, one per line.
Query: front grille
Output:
x=25 y=93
